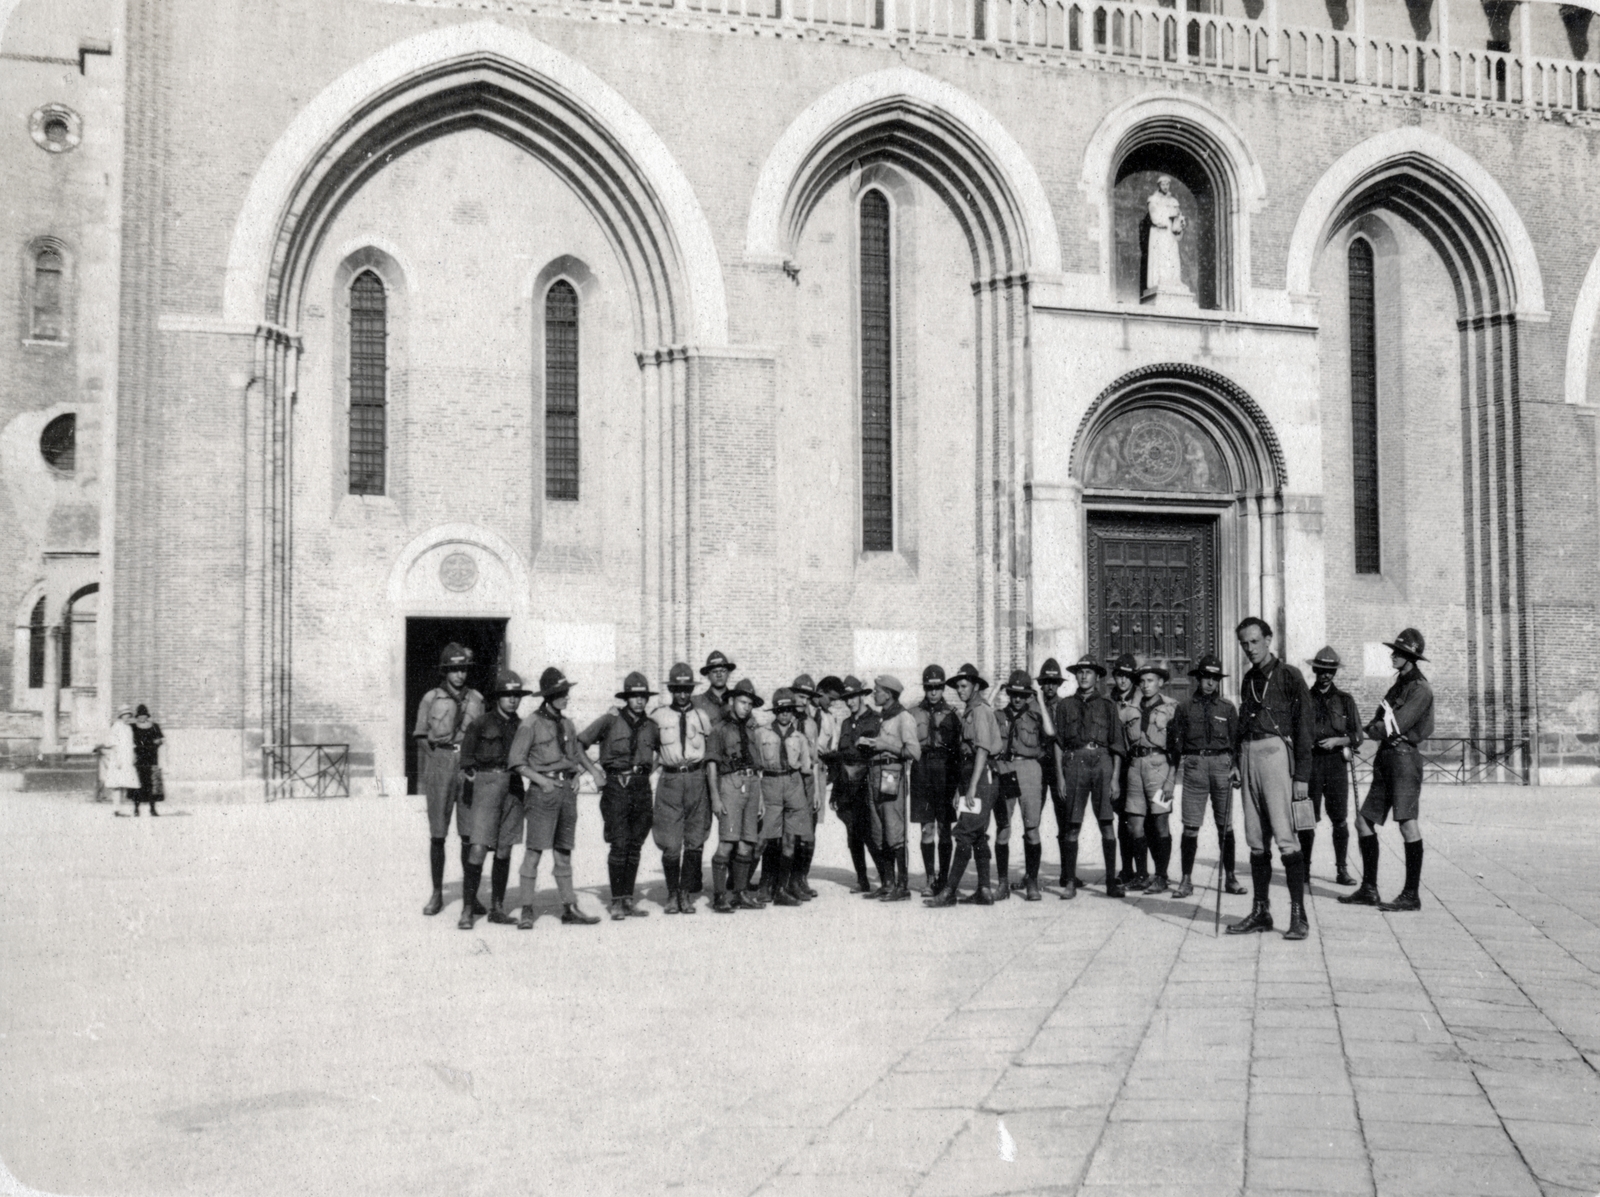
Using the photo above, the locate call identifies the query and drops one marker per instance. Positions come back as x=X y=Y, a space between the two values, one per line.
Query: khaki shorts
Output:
x=740 y=821
x=496 y=812
x=1147 y=778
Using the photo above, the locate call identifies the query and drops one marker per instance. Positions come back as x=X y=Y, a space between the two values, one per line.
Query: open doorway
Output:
x=425 y=640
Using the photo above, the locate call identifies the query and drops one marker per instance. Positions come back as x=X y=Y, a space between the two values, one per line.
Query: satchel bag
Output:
x=889 y=781
x=1304 y=813
x=1010 y=787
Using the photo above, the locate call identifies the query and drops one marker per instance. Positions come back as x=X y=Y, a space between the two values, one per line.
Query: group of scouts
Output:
x=1126 y=758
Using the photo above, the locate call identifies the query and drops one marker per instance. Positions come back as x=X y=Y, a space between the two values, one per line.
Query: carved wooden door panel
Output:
x=1153 y=590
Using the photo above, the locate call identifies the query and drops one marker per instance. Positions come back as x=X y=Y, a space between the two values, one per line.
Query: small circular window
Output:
x=56 y=128
x=58 y=443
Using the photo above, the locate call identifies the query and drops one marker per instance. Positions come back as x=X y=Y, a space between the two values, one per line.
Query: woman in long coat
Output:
x=147 y=741
x=117 y=770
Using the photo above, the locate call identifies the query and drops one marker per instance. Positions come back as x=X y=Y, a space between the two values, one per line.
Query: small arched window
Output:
x=78 y=629
x=36 y=634
x=47 y=322
x=877 y=352
x=1364 y=407
x=369 y=369
x=561 y=391
x=58 y=443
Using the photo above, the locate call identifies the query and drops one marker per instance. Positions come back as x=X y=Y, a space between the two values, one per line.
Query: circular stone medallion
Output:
x=1153 y=452
x=458 y=572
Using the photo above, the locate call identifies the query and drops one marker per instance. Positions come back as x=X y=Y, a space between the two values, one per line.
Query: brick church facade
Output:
x=817 y=331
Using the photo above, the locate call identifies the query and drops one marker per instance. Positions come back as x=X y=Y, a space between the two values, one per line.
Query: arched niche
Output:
x=1196 y=190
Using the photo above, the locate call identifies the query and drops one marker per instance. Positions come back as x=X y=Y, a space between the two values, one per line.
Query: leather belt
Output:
x=1263 y=735
x=1145 y=750
x=436 y=744
x=631 y=771
x=779 y=772
x=562 y=775
x=1086 y=746
x=740 y=772
x=1210 y=752
x=489 y=768
x=698 y=765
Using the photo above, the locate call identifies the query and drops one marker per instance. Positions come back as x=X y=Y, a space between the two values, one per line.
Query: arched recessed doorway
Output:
x=1182 y=482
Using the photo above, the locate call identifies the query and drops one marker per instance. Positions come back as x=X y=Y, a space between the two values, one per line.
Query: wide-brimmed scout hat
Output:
x=852 y=687
x=831 y=682
x=1408 y=643
x=887 y=681
x=1127 y=663
x=1326 y=659
x=1050 y=673
x=785 y=699
x=1087 y=661
x=552 y=683
x=455 y=657
x=1208 y=666
x=636 y=685
x=680 y=677
x=1019 y=682
x=743 y=688
x=1160 y=671
x=933 y=675
x=717 y=660
x=508 y=681
x=802 y=685
x=969 y=672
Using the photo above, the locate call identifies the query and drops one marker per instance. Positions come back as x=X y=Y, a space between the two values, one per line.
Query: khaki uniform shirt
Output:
x=443 y=714
x=547 y=742
x=683 y=735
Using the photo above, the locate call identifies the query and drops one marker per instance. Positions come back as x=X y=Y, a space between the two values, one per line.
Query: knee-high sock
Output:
x=719 y=875
x=1369 y=861
x=1294 y=866
x=694 y=880
x=563 y=871
x=436 y=861
x=672 y=865
x=1032 y=854
x=1227 y=852
x=1108 y=845
x=1261 y=873
x=466 y=855
x=1125 y=842
x=630 y=871
x=804 y=852
x=1161 y=851
x=1069 y=857
x=471 y=875
x=929 y=868
x=1141 y=856
x=499 y=874
x=1186 y=852
x=1308 y=840
x=771 y=861
x=946 y=846
x=858 y=856
x=1341 y=844
x=614 y=863
x=1413 y=865
x=1061 y=849
x=1002 y=862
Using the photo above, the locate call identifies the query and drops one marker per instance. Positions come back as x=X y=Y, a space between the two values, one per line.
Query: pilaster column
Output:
x=50 y=732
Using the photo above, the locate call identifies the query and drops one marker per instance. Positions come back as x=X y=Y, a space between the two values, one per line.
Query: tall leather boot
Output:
x=1114 y=886
x=946 y=847
x=672 y=868
x=952 y=889
x=1341 y=854
x=1367 y=893
x=1066 y=869
x=478 y=908
x=858 y=858
x=808 y=853
x=1032 y=854
x=436 y=868
x=499 y=875
x=1294 y=872
x=1260 y=916
x=1125 y=843
x=983 y=895
x=693 y=873
x=902 y=875
x=471 y=876
x=771 y=854
x=1002 y=871
x=1069 y=867
x=1231 y=883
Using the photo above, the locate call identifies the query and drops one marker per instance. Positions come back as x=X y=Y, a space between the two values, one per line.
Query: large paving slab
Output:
x=245 y=999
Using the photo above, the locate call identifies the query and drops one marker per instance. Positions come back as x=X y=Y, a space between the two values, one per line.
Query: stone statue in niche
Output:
x=1163 y=267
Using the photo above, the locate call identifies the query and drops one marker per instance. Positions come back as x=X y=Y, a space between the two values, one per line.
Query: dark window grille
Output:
x=36 y=634
x=1364 y=408
x=58 y=443
x=66 y=650
x=369 y=369
x=48 y=269
x=877 y=331
x=561 y=392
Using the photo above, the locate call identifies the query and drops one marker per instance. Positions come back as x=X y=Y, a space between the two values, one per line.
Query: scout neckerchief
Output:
x=554 y=716
x=683 y=726
x=635 y=727
x=744 y=741
x=783 y=746
x=461 y=711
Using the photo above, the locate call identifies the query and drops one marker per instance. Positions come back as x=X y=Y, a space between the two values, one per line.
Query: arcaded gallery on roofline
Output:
x=840 y=342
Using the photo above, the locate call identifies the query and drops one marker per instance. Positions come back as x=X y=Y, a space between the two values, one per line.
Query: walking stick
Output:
x=1216 y=924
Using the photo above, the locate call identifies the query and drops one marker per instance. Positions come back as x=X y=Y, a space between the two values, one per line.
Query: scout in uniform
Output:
x=1335 y=735
x=547 y=754
x=627 y=739
x=817 y=722
x=495 y=800
x=713 y=699
x=786 y=780
x=1150 y=772
x=1089 y=735
x=1050 y=681
x=683 y=804
x=1203 y=737
x=894 y=749
x=850 y=796
x=1026 y=733
x=442 y=719
x=1125 y=693
x=1403 y=721
x=733 y=774
x=976 y=790
x=933 y=777
x=1274 y=772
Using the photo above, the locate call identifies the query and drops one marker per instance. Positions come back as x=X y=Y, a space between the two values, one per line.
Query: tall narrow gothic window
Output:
x=369 y=331
x=561 y=391
x=1364 y=407
x=48 y=269
x=36 y=634
x=877 y=331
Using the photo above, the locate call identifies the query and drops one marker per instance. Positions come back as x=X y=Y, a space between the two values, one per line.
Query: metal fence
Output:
x=1461 y=761
x=306 y=770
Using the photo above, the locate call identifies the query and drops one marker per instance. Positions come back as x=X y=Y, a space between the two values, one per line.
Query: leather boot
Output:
x=1259 y=919
x=469 y=888
x=497 y=913
x=782 y=895
x=930 y=869
x=952 y=889
x=525 y=923
x=1367 y=893
x=722 y=904
x=1069 y=869
x=573 y=917
x=1002 y=872
x=1298 y=875
x=738 y=882
x=435 y=903
x=685 y=902
x=618 y=911
x=809 y=848
x=1341 y=852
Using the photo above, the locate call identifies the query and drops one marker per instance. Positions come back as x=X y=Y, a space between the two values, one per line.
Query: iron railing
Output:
x=1463 y=761
x=306 y=770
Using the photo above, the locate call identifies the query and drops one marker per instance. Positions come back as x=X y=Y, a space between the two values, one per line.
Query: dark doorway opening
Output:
x=425 y=640
x=1153 y=590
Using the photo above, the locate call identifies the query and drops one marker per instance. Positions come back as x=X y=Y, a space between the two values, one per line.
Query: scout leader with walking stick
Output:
x=496 y=795
x=683 y=804
x=627 y=739
x=442 y=719
x=1403 y=721
x=1274 y=773
x=1089 y=734
x=547 y=754
x=1335 y=735
x=976 y=791
x=1205 y=736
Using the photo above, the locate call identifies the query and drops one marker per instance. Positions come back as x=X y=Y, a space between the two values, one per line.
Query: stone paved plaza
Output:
x=245 y=999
